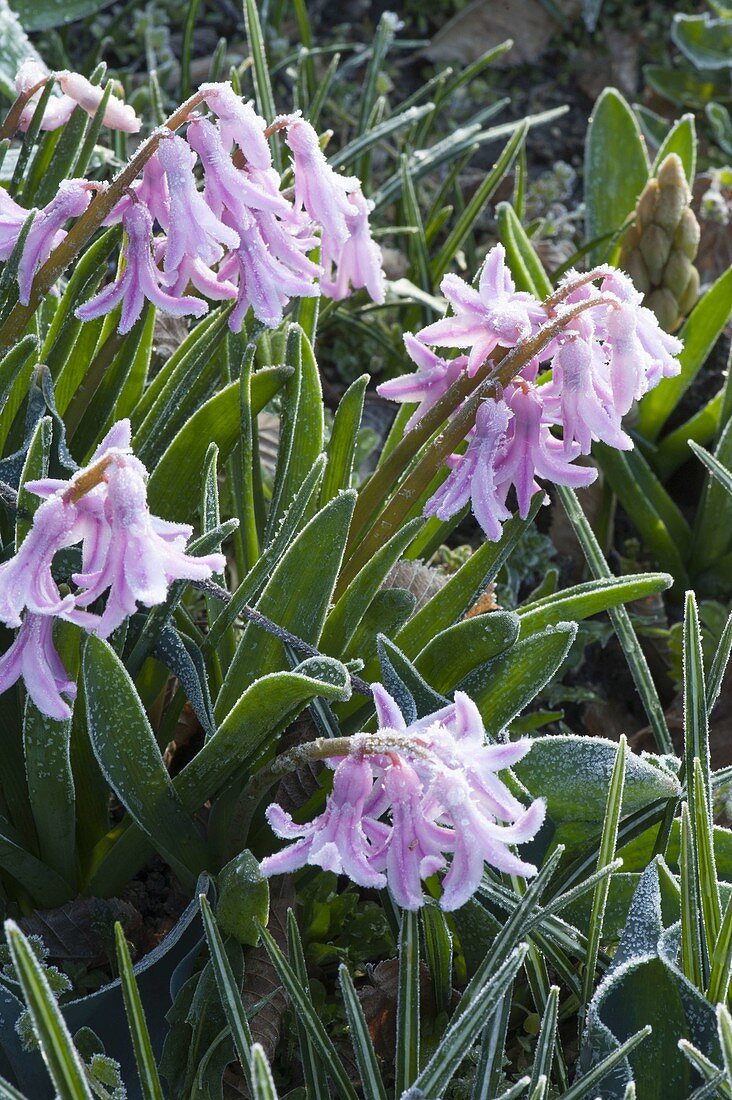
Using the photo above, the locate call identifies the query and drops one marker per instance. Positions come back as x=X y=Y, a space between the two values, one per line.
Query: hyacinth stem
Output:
x=486 y=382
x=86 y=225
x=12 y=118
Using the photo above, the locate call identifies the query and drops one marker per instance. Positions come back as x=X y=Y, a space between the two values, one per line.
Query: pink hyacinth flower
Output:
x=59 y=108
x=336 y=840
x=151 y=190
x=140 y=281
x=12 y=219
x=431 y=381
x=320 y=190
x=494 y=315
x=33 y=658
x=71 y=201
x=88 y=96
x=531 y=451
x=579 y=396
x=473 y=475
x=193 y=228
x=238 y=123
x=230 y=188
x=26 y=580
x=436 y=780
x=137 y=556
x=265 y=283
x=358 y=263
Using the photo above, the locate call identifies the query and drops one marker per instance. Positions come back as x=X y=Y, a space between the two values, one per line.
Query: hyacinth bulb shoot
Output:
x=242 y=236
x=582 y=383
x=128 y=556
x=407 y=796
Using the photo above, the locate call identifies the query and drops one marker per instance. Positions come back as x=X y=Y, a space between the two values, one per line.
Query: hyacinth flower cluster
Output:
x=243 y=237
x=406 y=797
x=127 y=554
x=608 y=354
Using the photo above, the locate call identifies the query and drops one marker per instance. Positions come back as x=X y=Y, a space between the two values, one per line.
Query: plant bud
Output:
x=659 y=247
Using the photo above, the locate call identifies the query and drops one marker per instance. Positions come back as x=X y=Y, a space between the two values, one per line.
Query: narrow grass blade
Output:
x=463 y=1031
x=260 y=73
x=226 y=983
x=7 y=1092
x=724 y=1030
x=544 y=1053
x=706 y=1068
x=691 y=944
x=608 y=844
x=586 y=1084
x=721 y=963
x=407 y=1031
x=540 y=1091
x=708 y=884
x=263 y=1086
x=303 y=1006
x=363 y=1047
x=312 y=1064
x=715 y=467
x=492 y=1050
x=144 y=1058
x=696 y=722
x=438 y=951
x=719 y=665
x=521 y=1085
x=621 y=622
x=61 y=1057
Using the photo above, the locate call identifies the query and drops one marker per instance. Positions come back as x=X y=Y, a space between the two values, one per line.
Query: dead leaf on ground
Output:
x=82 y=931
x=481 y=26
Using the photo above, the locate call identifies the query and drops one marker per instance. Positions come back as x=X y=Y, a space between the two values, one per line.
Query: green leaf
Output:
x=698 y=335
x=589 y=598
x=363 y=1047
x=35 y=466
x=228 y=990
x=608 y=845
x=465 y=1028
x=574 y=775
x=301 y=424
x=708 y=884
x=130 y=759
x=586 y=1084
x=681 y=139
x=613 y=180
x=526 y=267
x=62 y=1060
x=438 y=952
x=707 y=42
x=656 y=516
x=343 y=621
x=262 y=1081
x=453 y=653
x=144 y=1058
x=302 y=1005
x=522 y=671
x=175 y=482
x=243 y=898
x=483 y=194
x=343 y=437
x=406 y=1065
x=42 y=15
x=620 y=620
x=16 y=46
x=316 y=1081
x=545 y=1043
x=310 y=565
x=44 y=884
x=46 y=747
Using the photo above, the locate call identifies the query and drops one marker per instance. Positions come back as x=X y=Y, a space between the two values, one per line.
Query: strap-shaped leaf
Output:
x=61 y=1057
x=144 y=1058
x=453 y=653
x=545 y=1043
x=230 y=996
x=303 y=1006
x=128 y=754
x=46 y=748
x=525 y=266
x=583 y=600
x=584 y=1086
x=406 y=1062
x=522 y=671
x=343 y=438
x=363 y=1047
x=620 y=619
x=464 y=1030
x=296 y=597
x=176 y=480
x=612 y=183
x=301 y=424
x=183 y=658
x=344 y=619
x=262 y=1081
x=316 y=1080
x=681 y=140
x=699 y=334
